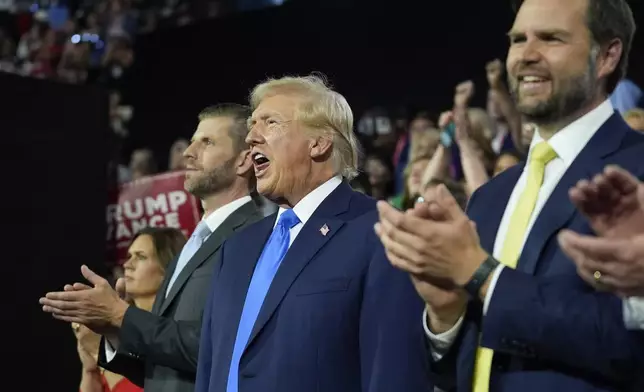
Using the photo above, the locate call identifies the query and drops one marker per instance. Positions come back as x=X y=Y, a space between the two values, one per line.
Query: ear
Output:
x=244 y=163
x=321 y=146
x=609 y=57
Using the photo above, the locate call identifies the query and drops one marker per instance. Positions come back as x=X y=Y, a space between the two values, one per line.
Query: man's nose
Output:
x=254 y=137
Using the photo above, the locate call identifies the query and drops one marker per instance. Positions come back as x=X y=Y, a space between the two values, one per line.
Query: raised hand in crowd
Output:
x=508 y=113
x=613 y=203
x=99 y=307
x=494 y=73
x=463 y=94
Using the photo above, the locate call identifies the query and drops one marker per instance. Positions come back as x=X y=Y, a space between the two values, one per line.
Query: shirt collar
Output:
x=569 y=142
x=218 y=216
x=307 y=206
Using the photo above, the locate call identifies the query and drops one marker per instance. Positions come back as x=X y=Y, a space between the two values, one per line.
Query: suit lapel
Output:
x=160 y=297
x=307 y=244
x=227 y=227
x=558 y=210
x=489 y=219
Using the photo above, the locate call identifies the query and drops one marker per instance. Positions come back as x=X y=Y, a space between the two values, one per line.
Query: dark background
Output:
x=53 y=220
x=403 y=52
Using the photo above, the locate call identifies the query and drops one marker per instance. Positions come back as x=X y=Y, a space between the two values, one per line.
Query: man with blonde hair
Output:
x=305 y=300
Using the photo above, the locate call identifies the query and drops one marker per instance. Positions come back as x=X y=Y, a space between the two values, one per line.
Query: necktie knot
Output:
x=201 y=231
x=288 y=219
x=542 y=153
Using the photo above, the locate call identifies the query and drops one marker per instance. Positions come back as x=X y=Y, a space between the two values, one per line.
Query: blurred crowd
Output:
x=92 y=42
x=463 y=147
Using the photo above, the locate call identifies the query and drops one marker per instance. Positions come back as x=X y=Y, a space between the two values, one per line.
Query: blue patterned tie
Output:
x=272 y=255
x=199 y=235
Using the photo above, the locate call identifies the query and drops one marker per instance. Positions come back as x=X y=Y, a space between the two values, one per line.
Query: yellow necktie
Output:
x=540 y=155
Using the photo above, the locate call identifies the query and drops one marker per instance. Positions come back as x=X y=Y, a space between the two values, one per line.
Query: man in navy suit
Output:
x=306 y=300
x=505 y=307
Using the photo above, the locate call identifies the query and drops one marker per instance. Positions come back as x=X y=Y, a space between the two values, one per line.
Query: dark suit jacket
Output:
x=550 y=331
x=159 y=350
x=337 y=318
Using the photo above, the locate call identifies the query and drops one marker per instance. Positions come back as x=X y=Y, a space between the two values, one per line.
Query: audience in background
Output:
x=142 y=164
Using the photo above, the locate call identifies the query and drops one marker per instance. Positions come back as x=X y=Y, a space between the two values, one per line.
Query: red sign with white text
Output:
x=155 y=201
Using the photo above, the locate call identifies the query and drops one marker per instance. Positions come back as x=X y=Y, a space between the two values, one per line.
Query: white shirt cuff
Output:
x=490 y=290
x=111 y=346
x=441 y=343
x=633 y=308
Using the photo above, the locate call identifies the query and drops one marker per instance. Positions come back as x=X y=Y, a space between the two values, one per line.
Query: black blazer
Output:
x=158 y=350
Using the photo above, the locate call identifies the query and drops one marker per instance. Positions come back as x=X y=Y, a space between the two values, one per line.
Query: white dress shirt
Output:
x=567 y=143
x=307 y=206
x=213 y=220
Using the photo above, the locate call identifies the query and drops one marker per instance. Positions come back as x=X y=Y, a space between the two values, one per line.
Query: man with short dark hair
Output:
x=159 y=350
x=505 y=307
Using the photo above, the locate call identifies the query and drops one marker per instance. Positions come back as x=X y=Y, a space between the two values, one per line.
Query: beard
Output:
x=205 y=183
x=567 y=98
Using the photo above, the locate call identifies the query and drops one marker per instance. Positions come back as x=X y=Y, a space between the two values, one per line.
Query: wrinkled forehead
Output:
x=281 y=104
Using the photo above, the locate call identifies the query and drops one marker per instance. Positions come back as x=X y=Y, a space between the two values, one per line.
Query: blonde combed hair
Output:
x=321 y=109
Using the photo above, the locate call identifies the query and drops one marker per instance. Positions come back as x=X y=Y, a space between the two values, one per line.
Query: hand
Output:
x=613 y=203
x=608 y=264
x=87 y=345
x=445 y=253
x=494 y=71
x=99 y=307
x=445 y=118
x=444 y=307
x=463 y=94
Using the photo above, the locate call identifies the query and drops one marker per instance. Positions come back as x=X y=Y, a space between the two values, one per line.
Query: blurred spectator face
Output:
x=378 y=172
x=551 y=68
x=142 y=163
x=143 y=271
x=210 y=158
x=420 y=124
x=635 y=119
x=177 y=161
x=504 y=162
x=424 y=143
x=415 y=178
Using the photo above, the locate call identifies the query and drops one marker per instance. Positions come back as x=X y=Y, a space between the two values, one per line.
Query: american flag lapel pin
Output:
x=324 y=230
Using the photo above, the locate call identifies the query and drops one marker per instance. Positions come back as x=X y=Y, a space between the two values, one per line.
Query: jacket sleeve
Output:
x=546 y=318
x=160 y=340
x=126 y=364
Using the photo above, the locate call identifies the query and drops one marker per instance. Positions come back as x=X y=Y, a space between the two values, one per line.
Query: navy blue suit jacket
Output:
x=550 y=331
x=337 y=318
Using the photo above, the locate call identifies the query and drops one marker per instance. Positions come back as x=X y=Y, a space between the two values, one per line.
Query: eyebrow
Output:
x=262 y=116
x=553 y=31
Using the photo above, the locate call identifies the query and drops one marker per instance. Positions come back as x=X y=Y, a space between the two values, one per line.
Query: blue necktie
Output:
x=199 y=235
x=265 y=270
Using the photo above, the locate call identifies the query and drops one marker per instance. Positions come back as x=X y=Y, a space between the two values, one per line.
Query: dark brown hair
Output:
x=167 y=242
x=608 y=20
x=239 y=114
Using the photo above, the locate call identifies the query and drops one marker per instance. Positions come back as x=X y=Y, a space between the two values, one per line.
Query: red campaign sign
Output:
x=155 y=201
